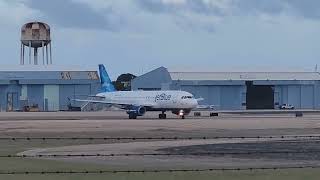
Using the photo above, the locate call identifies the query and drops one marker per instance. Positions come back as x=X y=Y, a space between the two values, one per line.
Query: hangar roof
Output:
x=244 y=75
x=11 y=68
x=47 y=75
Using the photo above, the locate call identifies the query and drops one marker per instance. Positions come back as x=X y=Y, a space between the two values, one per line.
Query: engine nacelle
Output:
x=138 y=110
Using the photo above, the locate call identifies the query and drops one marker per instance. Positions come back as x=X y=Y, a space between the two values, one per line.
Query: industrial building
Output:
x=239 y=90
x=44 y=87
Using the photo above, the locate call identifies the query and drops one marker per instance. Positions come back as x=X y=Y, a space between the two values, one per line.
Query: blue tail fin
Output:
x=106 y=83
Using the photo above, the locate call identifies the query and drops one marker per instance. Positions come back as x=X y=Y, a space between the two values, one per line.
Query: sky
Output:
x=137 y=36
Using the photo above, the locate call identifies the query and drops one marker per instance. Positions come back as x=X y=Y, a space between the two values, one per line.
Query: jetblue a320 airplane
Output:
x=137 y=103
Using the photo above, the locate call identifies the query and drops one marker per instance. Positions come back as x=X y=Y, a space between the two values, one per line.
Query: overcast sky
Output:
x=139 y=35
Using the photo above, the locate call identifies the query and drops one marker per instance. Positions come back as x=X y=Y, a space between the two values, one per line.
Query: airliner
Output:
x=137 y=103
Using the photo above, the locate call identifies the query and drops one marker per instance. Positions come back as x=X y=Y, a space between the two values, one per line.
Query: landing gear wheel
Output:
x=162 y=116
x=183 y=117
x=132 y=116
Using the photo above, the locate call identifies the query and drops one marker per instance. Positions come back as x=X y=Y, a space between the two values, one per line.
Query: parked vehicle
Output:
x=286 y=106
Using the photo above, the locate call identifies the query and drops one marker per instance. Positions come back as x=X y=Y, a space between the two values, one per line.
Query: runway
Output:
x=121 y=115
x=113 y=124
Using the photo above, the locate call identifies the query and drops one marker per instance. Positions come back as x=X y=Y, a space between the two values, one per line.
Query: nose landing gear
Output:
x=181 y=114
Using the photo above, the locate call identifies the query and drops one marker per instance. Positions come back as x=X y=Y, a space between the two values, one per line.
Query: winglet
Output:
x=106 y=83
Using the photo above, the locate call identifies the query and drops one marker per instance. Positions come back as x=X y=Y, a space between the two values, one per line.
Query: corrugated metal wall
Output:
x=152 y=80
x=300 y=96
x=223 y=97
x=13 y=93
x=51 y=98
x=66 y=93
x=3 y=97
x=36 y=96
x=9 y=95
x=231 y=97
x=79 y=91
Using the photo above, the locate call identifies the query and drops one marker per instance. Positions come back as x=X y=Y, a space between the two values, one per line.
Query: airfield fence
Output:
x=158 y=154
x=154 y=171
x=313 y=137
x=69 y=172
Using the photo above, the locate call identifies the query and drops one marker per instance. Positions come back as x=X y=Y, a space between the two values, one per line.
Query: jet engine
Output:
x=137 y=110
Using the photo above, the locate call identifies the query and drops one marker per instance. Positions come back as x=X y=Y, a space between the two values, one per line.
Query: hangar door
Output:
x=259 y=96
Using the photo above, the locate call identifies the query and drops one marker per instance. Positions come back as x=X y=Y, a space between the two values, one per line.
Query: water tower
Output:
x=35 y=35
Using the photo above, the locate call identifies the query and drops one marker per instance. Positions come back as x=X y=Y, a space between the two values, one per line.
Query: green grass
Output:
x=23 y=164
x=304 y=174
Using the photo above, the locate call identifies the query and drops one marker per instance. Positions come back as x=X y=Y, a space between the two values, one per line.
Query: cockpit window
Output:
x=187 y=97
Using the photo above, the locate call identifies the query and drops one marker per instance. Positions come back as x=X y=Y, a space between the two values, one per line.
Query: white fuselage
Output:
x=152 y=99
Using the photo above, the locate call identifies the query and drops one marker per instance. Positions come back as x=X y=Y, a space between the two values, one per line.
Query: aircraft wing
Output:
x=94 y=96
x=114 y=103
x=206 y=107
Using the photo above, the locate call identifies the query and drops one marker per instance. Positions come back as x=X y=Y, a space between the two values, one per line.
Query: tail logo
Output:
x=106 y=83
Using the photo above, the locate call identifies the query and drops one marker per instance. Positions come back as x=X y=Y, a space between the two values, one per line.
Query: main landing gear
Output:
x=132 y=116
x=162 y=116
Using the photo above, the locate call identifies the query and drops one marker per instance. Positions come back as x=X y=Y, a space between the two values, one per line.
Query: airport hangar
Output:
x=49 y=88
x=239 y=90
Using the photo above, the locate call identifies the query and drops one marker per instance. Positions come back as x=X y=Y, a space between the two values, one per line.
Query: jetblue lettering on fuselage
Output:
x=162 y=97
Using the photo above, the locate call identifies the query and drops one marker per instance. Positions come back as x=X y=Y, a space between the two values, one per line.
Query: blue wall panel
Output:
x=307 y=97
x=294 y=96
x=35 y=96
x=15 y=90
x=3 y=97
x=231 y=97
x=214 y=97
x=82 y=90
x=66 y=92
x=223 y=97
x=317 y=95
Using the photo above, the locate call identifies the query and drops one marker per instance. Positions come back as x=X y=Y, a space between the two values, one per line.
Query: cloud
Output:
x=207 y=7
x=146 y=15
x=74 y=14
x=306 y=8
x=206 y=14
x=15 y=12
x=190 y=14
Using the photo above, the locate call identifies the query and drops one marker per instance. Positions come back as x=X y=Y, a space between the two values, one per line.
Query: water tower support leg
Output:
x=23 y=50
x=21 y=61
x=29 y=52
x=42 y=46
x=35 y=53
x=47 y=61
x=50 y=53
